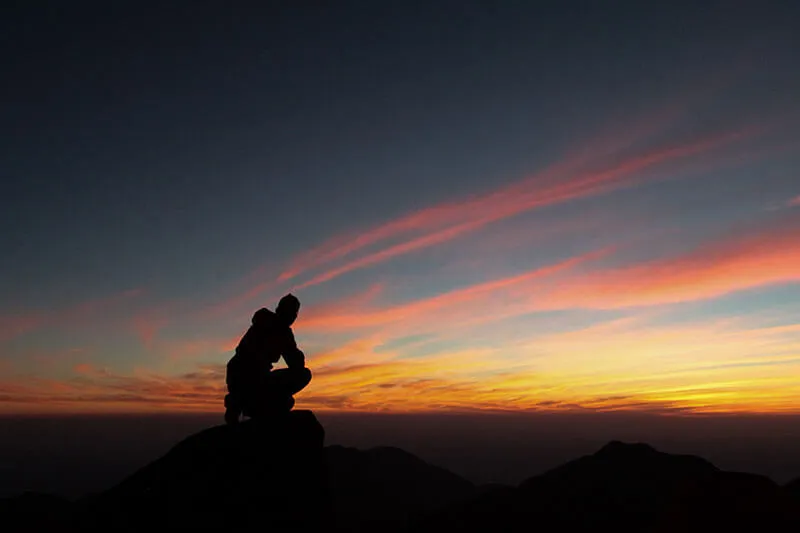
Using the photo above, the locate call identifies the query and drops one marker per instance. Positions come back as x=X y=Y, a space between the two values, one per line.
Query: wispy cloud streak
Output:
x=439 y=224
x=451 y=304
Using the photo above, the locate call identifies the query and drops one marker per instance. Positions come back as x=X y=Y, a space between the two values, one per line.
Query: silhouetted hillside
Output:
x=630 y=480
x=388 y=484
x=34 y=512
x=225 y=478
x=276 y=476
x=628 y=488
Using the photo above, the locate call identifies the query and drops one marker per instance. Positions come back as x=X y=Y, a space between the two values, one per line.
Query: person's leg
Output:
x=255 y=396
x=232 y=402
x=289 y=381
x=273 y=393
x=281 y=385
x=232 y=409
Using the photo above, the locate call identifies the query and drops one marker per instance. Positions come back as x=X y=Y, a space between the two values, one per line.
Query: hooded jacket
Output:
x=266 y=340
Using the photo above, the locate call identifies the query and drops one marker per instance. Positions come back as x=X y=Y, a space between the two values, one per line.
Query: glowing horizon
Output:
x=464 y=348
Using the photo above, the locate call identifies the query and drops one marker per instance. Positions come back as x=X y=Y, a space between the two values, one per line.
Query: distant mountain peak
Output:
x=616 y=447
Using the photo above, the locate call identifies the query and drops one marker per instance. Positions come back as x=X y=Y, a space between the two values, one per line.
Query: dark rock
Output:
x=260 y=474
x=32 y=511
x=490 y=487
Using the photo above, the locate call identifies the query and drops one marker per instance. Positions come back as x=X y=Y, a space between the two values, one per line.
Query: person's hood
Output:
x=263 y=316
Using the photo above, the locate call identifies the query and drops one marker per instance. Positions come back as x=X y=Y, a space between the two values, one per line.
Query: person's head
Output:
x=287 y=309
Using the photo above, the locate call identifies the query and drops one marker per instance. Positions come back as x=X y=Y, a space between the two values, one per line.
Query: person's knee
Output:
x=305 y=376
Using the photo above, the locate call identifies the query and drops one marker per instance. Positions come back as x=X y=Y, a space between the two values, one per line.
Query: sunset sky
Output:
x=481 y=205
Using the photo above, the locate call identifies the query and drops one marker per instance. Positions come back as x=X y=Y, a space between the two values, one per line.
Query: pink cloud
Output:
x=433 y=310
x=738 y=262
x=12 y=326
x=741 y=262
x=613 y=139
x=445 y=222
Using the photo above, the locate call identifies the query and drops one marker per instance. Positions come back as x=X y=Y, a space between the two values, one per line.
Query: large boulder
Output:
x=266 y=475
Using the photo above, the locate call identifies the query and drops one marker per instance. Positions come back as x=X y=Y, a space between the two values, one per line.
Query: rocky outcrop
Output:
x=257 y=475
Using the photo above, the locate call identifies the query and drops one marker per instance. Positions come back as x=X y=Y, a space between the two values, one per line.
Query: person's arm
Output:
x=293 y=356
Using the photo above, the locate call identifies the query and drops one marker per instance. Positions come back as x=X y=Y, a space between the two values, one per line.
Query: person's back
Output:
x=253 y=388
x=264 y=342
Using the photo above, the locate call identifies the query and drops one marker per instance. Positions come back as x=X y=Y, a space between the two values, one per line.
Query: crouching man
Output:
x=254 y=388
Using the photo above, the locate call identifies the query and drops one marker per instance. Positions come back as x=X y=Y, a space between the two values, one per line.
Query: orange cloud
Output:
x=613 y=366
x=794 y=202
x=100 y=390
x=741 y=262
x=188 y=349
x=625 y=364
x=86 y=369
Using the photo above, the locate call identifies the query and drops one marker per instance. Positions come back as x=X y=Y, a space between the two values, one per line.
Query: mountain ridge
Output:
x=623 y=486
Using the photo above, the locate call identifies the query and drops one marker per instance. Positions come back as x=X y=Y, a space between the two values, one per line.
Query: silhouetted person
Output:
x=254 y=389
